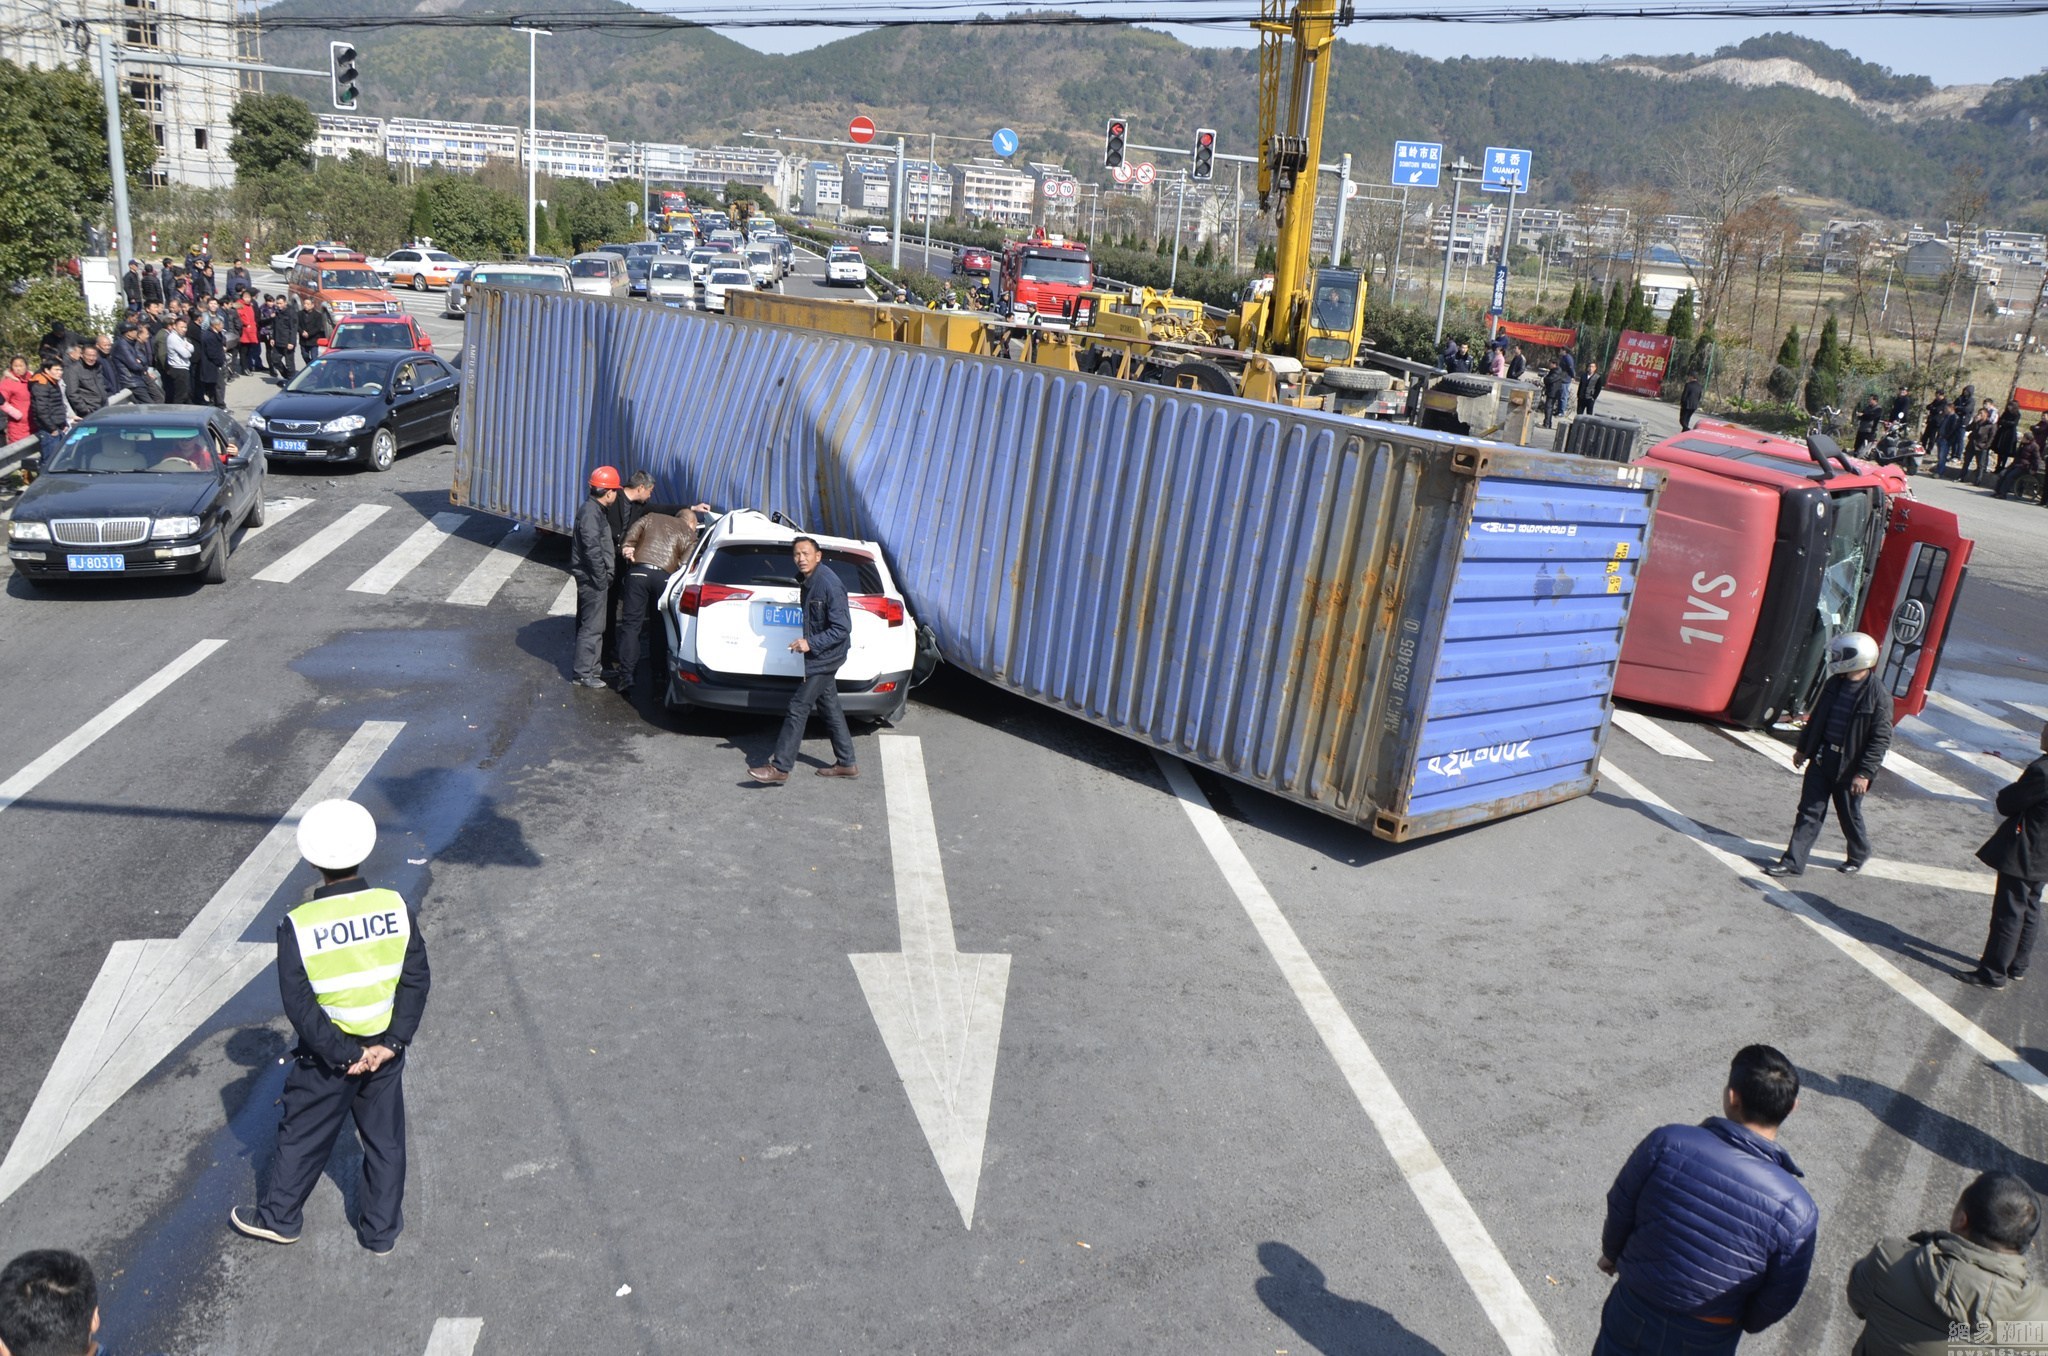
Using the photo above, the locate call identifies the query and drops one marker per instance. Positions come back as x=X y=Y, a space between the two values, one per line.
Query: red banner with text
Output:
x=1550 y=336
x=2028 y=399
x=1639 y=363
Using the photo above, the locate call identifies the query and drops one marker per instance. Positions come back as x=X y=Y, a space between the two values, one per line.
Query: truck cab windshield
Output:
x=1336 y=301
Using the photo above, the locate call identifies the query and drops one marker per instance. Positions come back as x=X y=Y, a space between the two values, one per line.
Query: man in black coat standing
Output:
x=2018 y=852
x=1689 y=402
x=1842 y=748
x=827 y=637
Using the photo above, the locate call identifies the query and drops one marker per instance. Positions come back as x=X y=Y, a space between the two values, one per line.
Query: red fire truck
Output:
x=1764 y=551
x=1044 y=274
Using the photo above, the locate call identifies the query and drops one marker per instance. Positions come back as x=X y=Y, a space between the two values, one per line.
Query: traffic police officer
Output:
x=1842 y=749
x=352 y=969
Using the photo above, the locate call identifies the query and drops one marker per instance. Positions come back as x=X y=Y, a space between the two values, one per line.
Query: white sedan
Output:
x=846 y=266
x=733 y=608
x=284 y=263
x=725 y=278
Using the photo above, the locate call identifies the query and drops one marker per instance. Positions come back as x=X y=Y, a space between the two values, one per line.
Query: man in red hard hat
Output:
x=592 y=556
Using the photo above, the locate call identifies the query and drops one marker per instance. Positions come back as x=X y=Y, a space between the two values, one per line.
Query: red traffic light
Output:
x=1206 y=139
x=1116 y=129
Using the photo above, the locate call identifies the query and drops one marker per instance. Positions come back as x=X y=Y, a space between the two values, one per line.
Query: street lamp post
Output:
x=533 y=36
x=1459 y=170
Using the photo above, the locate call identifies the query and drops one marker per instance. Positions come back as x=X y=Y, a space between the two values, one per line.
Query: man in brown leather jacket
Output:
x=657 y=545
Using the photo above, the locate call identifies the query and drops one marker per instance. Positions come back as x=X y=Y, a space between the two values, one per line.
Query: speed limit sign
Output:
x=1146 y=174
x=1066 y=188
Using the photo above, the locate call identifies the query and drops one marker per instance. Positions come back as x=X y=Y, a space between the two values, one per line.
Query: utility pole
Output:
x=896 y=211
x=117 y=152
x=1179 y=203
x=1459 y=169
x=1507 y=234
x=1400 y=234
x=1337 y=226
x=533 y=37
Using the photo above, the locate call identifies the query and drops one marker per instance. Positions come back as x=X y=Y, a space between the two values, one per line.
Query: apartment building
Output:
x=824 y=192
x=988 y=189
x=455 y=145
x=188 y=107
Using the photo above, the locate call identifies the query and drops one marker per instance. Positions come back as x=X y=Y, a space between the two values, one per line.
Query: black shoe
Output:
x=1781 y=869
x=247 y=1225
x=591 y=682
x=1849 y=868
x=1982 y=978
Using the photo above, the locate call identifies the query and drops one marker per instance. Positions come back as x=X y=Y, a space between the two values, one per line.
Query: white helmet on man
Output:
x=337 y=835
x=1851 y=652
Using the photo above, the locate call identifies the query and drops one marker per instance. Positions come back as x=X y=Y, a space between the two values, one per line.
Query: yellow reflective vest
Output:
x=353 y=949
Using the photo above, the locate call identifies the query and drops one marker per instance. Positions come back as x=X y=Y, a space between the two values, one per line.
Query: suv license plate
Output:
x=780 y=614
x=88 y=563
x=288 y=444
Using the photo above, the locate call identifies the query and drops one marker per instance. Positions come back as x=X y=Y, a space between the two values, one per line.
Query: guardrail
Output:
x=14 y=453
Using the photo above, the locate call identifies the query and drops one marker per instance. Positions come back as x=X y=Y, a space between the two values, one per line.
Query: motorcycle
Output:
x=1895 y=446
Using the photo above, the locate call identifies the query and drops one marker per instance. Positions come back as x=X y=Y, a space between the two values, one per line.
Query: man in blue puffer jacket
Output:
x=1708 y=1228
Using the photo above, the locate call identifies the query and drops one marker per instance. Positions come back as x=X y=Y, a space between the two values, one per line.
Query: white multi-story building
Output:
x=345 y=134
x=824 y=189
x=569 y=155
x=989 y=190
x=457 y=145
x=866 y=187
x=188 y=107
x=755 y=166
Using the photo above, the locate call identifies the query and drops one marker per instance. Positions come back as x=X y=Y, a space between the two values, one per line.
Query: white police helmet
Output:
x=1851 y=652
x=337 y=835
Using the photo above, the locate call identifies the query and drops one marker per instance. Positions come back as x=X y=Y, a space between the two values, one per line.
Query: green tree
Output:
x=467 y=219
x=1679 y=325
x=586 y=215
x=1617 y=306
x=1824 y=383
x=55 y=180
x=1783 y=382
x=1571 y=308
x=273 y=133
x=1639 y=317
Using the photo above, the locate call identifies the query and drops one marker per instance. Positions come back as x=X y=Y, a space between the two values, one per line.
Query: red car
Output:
x=380 y=331
x=973 y=260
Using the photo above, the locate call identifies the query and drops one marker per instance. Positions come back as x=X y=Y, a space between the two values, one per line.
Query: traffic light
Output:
x=1113 y=143
x=341 y=60
x=1205 y=155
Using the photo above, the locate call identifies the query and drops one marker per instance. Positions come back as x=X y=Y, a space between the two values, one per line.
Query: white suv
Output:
x=845 y=265
x=733 y=608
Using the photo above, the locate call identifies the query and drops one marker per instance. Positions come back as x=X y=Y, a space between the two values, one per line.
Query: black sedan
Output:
x=140 y=490
x=362 y=406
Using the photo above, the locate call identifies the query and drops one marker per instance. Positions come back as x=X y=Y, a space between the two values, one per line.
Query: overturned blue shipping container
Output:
x=1408 y=630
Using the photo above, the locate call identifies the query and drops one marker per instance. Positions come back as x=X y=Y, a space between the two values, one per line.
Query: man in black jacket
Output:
x=284 y=340
x=2018 y=852
x=828 y=635
x=1689 y=402
x=593 y=552
x=1842 y=748
x=131 y=284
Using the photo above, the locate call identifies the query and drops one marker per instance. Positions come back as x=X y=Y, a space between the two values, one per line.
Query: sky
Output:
x=1950 y=51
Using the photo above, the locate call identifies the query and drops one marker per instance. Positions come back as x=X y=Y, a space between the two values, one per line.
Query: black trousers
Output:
x=2015 y=917
x=1815 y=793
x=643 y=587
x=819 y=692
x=590 y=607
x=317 y=1102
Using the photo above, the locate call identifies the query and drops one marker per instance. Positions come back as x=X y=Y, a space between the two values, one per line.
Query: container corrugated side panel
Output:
x=1245 y=585
x=1519 y=701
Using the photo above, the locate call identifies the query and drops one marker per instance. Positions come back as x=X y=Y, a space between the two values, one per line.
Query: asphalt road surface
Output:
x=1163 y=1064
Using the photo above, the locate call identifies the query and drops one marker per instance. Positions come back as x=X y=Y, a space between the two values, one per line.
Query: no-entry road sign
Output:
x=861 y=129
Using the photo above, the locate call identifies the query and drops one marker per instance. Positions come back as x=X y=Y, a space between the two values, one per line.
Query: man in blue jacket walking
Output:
x=828 y=634
x=1708 y=1230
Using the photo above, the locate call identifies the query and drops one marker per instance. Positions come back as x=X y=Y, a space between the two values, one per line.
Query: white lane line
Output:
x=1967 y=712
x=275 y=511
x=1660 y=740
x=454 y=1336
x=1486 y=1271
x=1968 y=1032
x=565 y=601
x=81 y=739
x=1880 y=868
x=1933 y=783
x=1920 y=732
x=508 y=552
x=321 y=544
x=408 y=555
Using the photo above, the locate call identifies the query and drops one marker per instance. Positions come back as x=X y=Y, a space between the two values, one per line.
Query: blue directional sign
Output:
x=1505 y=166
x=1417 y=163
x=1005 y=142
x=1500 y=290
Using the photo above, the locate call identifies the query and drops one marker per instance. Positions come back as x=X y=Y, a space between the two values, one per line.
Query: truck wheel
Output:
x=1464 y=387
x=1364 y=380
x=1202 y=376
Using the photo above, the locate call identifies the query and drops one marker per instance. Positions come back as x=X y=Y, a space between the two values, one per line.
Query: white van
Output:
x=600 y=274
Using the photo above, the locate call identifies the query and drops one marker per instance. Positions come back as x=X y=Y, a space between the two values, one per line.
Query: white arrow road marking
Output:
x=1493 y=1282
x=321 y=544
x=940 y=1012
x=408 y=555
x=1898 y=981
x=150 y=995
x=1649 y=732
x=81 y=739
x=454 y=1336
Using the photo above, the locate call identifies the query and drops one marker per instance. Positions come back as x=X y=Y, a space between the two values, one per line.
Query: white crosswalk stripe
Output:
x=1983 y=759
x=1943 y=702
x=408 y=554
x=1660 y=740
x=2037 y=712
x=321 y=544
x=1933 y=783
x=507 y=554
x=565 y=601
x=275 y=511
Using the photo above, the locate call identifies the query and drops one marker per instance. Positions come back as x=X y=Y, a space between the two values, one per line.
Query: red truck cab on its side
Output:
x=1045 y=274
x=1763 y=553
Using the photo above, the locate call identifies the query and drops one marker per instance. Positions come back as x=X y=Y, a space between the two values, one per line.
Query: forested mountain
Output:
x=1594 y=128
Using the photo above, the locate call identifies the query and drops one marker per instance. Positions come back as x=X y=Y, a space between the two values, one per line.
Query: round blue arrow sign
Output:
x=1005 y=142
